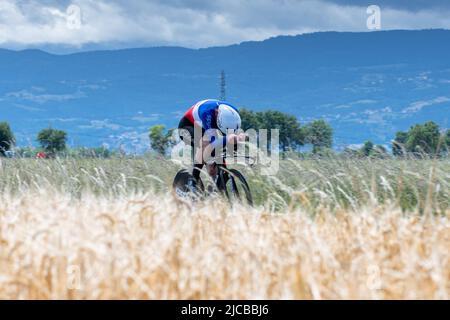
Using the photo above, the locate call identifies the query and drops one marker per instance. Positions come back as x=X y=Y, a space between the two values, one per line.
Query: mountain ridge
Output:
x=347 y=78
x=304 y=35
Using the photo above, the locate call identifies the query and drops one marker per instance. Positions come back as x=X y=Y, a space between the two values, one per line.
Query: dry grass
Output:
x=66 y=234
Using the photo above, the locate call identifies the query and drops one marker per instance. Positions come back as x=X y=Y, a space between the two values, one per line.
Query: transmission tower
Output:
x=223 y=86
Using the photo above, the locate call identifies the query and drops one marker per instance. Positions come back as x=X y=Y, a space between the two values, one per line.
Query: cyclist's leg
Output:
x=187 y=134
x=197 y=161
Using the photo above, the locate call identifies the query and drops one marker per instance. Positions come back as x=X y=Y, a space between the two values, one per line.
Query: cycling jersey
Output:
x=203 y=113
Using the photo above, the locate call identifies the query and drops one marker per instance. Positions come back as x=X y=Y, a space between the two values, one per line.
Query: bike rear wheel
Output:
x=185 y=185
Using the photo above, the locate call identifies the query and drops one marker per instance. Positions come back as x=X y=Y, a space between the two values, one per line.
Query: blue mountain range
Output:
x=367 y=85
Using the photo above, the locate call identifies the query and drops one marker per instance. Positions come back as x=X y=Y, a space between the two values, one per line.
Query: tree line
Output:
x=292 y=135
x=51 y=141
x=420 y=140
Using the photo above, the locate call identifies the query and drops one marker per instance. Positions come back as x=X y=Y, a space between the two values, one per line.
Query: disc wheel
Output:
x=185 y=185
x=234 y=186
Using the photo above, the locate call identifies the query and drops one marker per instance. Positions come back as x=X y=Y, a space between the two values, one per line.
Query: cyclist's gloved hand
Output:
x=235 y=138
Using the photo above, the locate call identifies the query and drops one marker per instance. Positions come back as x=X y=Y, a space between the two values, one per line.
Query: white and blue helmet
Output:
x=228 y=119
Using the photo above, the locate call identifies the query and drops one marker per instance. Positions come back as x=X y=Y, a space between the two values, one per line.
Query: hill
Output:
x=368 y=85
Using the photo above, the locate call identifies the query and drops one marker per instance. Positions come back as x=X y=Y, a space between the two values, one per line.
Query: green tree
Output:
x=290 y=132
x=52 y=140
x=26 y=152
x=367 y=149
x=160 y=139
x=398 y=145
x=420 y=139
x=7 y=139
x=380 y=151
x=351 y=153
x=423 y=138
x=446 y=142
x=97 y=152
x=250 y=120
x=320 y=134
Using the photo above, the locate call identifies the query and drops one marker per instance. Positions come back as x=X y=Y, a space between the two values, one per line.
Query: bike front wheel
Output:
x=234 y=186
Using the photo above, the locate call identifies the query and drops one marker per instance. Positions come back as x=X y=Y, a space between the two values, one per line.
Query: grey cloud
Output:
x=410 y=5
x=198 y=23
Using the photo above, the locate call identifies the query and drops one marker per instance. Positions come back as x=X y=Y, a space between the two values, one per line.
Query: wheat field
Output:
x=320 y=229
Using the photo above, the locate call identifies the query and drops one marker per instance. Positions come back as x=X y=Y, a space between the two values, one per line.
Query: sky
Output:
x=76 y=25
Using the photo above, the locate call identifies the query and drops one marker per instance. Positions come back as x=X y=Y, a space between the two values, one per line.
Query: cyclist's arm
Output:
x=219 y=143
x=209 y=144
x=235 y=138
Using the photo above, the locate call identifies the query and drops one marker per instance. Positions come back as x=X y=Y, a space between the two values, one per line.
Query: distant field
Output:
x=330 y=228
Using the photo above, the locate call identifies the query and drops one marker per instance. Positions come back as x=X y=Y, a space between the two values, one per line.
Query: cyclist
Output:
x=206 y=126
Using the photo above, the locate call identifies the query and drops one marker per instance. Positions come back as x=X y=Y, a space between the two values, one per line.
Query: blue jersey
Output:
x=203 y=113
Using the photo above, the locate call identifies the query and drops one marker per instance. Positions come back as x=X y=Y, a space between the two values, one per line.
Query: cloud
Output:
x=195 y=23
x=370 y=112
x=27 y=108
x=101 y=124
x=146 y=119
x=355 y=103
x=412 y=5
x=355 y=146
x=65 y=119
x=25 y=95
x=419 y=105
x=131 y=141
